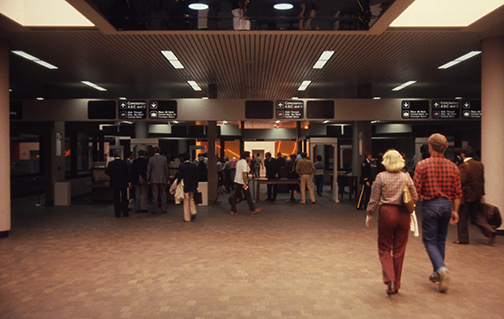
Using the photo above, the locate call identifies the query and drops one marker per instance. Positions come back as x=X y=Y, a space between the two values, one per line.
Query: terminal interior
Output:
x=82 y=79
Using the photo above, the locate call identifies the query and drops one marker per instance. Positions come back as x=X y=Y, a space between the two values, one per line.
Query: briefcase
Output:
x=198 y=197
x=492 y=215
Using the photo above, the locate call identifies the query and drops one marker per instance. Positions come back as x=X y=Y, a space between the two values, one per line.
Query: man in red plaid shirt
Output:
x=437 y=181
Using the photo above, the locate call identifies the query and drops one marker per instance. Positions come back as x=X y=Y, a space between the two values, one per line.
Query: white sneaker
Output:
x=444 y=281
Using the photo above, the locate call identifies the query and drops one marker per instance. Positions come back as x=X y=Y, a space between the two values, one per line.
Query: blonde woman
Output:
x=394 y=219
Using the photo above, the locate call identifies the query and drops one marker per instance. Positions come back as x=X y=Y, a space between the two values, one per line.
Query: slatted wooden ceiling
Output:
x=253 y=65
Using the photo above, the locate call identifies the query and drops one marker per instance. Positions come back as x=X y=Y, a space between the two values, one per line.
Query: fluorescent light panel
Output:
x=402 y=86
x=460 y=59
x=324 y=57
x=194 y=85
x=445 y=13
x=304 y=85
x=47 y=13
x=94 y=86
x=198 y=6
x=34 y=59
x=170 y=56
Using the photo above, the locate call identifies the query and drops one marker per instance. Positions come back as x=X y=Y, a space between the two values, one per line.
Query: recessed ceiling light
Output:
x=170 y=56
x=40 y=98
x=377 y=98
x=402 y=86
x=94 y=86
x=205 y=98
x=295 y=98
x=445 y=13
x=324 y=57
x=283 y=6
x=198 y=6
x=122 y=98
x=194 y=85
x=304 y=85
x=460 y=59
x=34 y=59
x=458 y=98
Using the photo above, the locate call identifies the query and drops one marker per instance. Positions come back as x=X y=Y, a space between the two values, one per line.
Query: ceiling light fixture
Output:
x=377 y=98
x=304 y=85
x=198 y=6
x=94 y=86
x=460 y=59
x=283 y=6
x=194 y=85
x=170 y=56
x=34 y=59
x=122 y=98
x=446 y=13
x=40 y=98
x=324 y=57
x=402 y=86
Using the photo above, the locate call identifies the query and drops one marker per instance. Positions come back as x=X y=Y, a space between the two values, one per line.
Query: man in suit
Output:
x=473 y=187
x=139 y=178
x=118 y=171
x=188 y=172
x=157 y=172
x=366 y=180
x=271 y=165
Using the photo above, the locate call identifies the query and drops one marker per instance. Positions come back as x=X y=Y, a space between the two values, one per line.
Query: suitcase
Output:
x=492 y=215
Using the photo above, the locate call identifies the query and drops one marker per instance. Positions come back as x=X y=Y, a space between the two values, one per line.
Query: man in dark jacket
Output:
x=119 y=181
x=271 y=165
x=188 y=172
x=139 y=179
x=366 y=179
x=473 y=188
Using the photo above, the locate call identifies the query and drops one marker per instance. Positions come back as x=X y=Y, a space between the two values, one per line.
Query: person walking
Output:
x=241 y=184
x=139 y=179
x=119 y=173
x=319 y=175
x=157 y=172
x=437 y=181
x=473 y=188
x=394 y=219
x=188 y=172
x=305 y=169
x=366 y=180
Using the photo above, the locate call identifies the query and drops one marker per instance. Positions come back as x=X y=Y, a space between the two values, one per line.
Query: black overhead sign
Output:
x=132 y=110
x=445 y=109
x=289 y=110
x=163 y=110
x=16 y=110
x=415 y=109
x=471 y=109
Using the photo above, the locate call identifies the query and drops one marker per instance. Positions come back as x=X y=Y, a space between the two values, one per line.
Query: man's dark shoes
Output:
x=461 y=242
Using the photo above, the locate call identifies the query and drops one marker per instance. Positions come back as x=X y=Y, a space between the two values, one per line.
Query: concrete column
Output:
x=212 y=163
x=55 y=158
x=5 y=194
x=361 y=144
x=492 y=117
x=141 y=131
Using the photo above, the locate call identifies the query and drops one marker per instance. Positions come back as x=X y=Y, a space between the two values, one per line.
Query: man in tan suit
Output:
x=305 y=169
x=473 y=187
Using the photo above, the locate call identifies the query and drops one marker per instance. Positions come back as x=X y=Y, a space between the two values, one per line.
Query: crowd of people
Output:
x=452 y=192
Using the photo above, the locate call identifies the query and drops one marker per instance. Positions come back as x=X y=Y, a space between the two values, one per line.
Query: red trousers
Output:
x=393 y=230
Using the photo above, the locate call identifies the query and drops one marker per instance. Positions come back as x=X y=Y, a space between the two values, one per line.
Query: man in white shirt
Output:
x=241 y=184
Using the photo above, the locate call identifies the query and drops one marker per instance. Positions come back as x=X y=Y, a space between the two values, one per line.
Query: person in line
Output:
x=282 y=162
x=188 y=172
x=305 y=169
x=473 y=189
x=119 y=173
x=319 y=175
x=291 y=174
x=158 y=175
x=139 y=178
x=227 y=174
x=437 y=181
x=257 y=162
x=241 y=184
x=271 y=165
x=394 y=219
x=366 y=180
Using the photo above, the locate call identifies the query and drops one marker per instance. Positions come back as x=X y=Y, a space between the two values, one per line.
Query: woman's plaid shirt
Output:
x=437 y=177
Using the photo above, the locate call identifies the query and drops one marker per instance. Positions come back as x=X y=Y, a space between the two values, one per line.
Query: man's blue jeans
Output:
x=436 y=215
